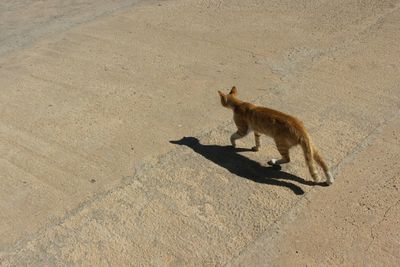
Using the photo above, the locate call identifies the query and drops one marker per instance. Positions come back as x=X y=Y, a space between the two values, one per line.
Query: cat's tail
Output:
x=311 y=155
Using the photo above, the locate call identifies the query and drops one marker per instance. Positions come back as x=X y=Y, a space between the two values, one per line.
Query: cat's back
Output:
x=270 y=120
x=279 y=116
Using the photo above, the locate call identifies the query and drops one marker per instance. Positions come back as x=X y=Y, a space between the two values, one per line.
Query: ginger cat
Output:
x=287 y=131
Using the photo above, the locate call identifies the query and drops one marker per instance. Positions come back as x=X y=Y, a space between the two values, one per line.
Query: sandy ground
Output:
x=94 y=107
x=25 y=22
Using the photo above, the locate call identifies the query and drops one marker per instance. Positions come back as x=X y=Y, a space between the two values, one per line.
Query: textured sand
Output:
x=90 y=103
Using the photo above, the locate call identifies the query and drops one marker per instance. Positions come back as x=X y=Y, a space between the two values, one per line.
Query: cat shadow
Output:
x=228 y=158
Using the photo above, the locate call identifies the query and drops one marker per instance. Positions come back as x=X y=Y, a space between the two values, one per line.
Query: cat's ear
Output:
x=224 y=100
x=233 y=91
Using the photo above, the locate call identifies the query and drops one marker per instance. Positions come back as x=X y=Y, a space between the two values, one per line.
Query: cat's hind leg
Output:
x=283 y=148
x=321 y=162
x=257 y=140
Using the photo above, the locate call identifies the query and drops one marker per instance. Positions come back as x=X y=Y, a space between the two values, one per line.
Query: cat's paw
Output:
x=316 y=177
x=272 y=162
x=255 y=148
x=329 y=179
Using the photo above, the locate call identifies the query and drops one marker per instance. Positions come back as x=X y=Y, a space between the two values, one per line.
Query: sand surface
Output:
x=114 y=146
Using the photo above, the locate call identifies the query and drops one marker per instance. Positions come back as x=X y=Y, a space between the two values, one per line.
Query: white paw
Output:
x=272 y=162
x=315 y=177
x=330 y=178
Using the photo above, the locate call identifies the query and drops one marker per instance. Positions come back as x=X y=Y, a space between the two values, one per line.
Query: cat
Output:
x=287 y=131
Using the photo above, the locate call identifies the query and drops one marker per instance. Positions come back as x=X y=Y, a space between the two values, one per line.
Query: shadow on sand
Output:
x=228 y=158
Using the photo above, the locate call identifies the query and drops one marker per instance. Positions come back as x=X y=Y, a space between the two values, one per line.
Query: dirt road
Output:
x=95 y=170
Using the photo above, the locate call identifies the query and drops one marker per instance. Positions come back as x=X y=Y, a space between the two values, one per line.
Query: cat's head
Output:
x=229 y=100
x=187 y=141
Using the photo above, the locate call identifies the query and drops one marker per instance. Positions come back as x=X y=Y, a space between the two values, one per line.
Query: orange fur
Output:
x=287 y=131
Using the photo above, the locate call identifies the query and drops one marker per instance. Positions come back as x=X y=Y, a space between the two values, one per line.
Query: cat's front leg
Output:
x=257 y=140
x=237 y=135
